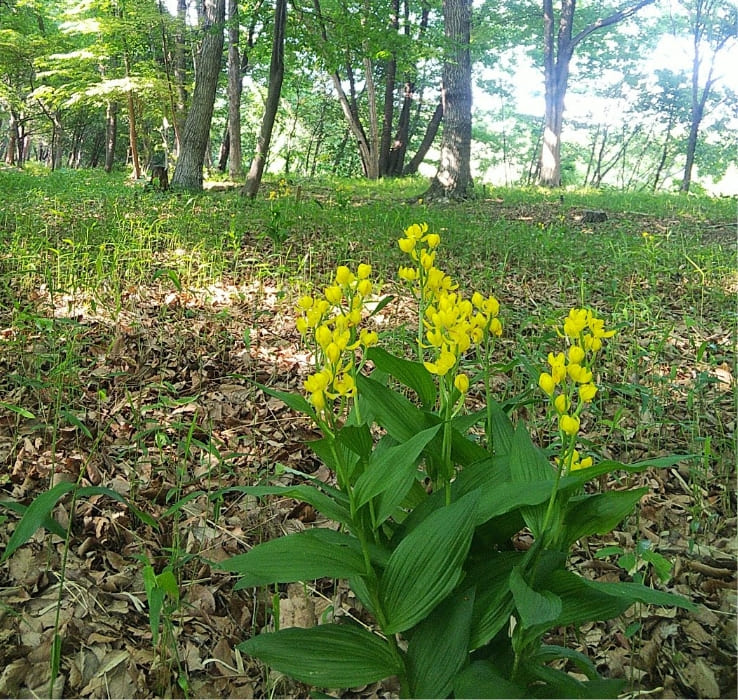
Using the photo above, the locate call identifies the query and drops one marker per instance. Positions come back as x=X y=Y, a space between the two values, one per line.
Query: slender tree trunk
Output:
x=430 y=136
x=234 y=92
x=188 y=173
x=557 y=55
x=453 y=179
x=276 y=75
x=111 y=134
x=13 y=139
x=225 y=149
x=180 y=74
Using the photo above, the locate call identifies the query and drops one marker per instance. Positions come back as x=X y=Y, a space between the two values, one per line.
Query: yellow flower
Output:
x=432 y=240
x=579 y=374
x=323 y=336
x=461 y=382
x=305 y=302
x=368 y=338
x=569 y=424
x=575 y=322
x=446 y=361
x=344 y=385
x=495 y=327
x=407 y=245
x=558 y=366
x=587 y=392
x=547 y=383
x=364 y=288
x=562 y=403
x=344 y=275
x=576 y=354
x=363 y=271
x=333 y=353
x=416 y=231
x=302 y=325
x=407 y=273
x=318 y=382
x=427 y=259
x=333 y=294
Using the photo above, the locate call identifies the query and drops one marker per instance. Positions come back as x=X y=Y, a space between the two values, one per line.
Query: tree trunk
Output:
x=13 y=139
x=111 y=134
x=556 y=62
x=234 y=92
x=453 y=179
x=188 y=173
x=276 y=75
x=430 y=136
x=180 y=74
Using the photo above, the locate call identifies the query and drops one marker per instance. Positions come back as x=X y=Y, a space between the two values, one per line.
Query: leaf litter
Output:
x=162 y=405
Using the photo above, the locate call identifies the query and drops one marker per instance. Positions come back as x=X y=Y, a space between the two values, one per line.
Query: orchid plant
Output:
x=425 y=510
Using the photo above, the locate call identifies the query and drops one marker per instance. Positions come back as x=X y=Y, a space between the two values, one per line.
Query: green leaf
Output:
x=35 y=516
x=411 y=374
x=528 y=465
x=438 y=646
x=427 y=564
x=333 y=504
x=329 y=656
x=637 y=592
x=76 y=422
x=536 y=609
x=503 y=432
x=482 y=680
x=17 y=409
x=597 y=513
x=396 y=414
x=302 y=556
x=580 y=603
x=296 y=402
x=392 y=471
x=49 y=523
x=494 y=601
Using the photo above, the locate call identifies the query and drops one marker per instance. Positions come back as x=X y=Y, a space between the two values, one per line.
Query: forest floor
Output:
x=134 y=325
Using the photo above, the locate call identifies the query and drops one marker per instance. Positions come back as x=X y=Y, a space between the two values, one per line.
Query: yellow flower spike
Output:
x=576 y=355
x=461 y=382
x=547 y=383
x=407 y=273
x=344 y=275
x=569 y=424
x=562 y=403
x=432 y=240
x=333 y=294
x=363 y=271
x=407 y=245
x=305 y=302
x=587 y=392
x=364 y=288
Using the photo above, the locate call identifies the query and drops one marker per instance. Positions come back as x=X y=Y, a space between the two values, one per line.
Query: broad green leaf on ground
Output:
x=328 y=656
x=536 y=608
x=410 y=373
x=302 y=556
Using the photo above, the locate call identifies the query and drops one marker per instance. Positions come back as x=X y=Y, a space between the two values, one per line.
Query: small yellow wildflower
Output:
x=461 y=382
x=547 y=383
x=587 y=392
x=363 y=271
x=446 y=361
x=562 y=404
x=569 y=424
x=344 y=275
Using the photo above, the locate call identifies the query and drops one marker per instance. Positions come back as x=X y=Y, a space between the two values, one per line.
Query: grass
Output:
x=130 y=319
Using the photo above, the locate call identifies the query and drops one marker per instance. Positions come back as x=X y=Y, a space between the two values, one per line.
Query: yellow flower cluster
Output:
x=451 y=323
x=331 y=324
x=283 y=190
x=570 y=375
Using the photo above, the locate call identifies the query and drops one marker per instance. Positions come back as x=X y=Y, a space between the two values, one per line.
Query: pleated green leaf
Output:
x=412 y=374
x=438 y=647
x=482 y=680
x=426 y=565
x=392 y=471
x=302 y=556
x=535 y=608
x=598 y=513
x=328 y=656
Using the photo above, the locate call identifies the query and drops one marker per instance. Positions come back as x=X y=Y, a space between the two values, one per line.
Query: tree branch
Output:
x=610 y=19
